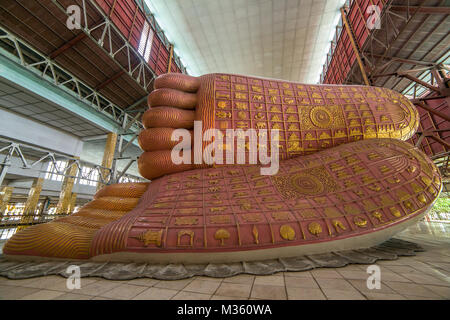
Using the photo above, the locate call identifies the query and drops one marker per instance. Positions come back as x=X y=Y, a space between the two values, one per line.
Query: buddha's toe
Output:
x=166 y=117
x=172 y=98
x=172 y=106
x=155 y=139
x=178 y=81
x=155 y=164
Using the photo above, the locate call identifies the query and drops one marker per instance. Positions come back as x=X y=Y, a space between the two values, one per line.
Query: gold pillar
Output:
x=65 y=197
x=170 y=59
x=32 y=201
x=5 y=196
x=355 y=46
x=108 y=157
x=72 y=204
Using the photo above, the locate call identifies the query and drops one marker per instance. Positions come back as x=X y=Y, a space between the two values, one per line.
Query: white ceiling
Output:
x=284 y=39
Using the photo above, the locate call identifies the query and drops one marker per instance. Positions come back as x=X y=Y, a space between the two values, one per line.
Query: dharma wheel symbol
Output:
x=321 y=117
x=307 y=184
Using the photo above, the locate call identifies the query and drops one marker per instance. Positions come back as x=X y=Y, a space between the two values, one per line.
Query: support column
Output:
x=170 y=59
x=5 y=197
x=108 y=157
x=73 y=201
x=45 y=206
x=355 y=46
x=5 y=165
x=32 y=202
x=65 y=197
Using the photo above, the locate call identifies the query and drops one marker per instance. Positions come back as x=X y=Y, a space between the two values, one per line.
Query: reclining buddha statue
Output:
x=346 y=178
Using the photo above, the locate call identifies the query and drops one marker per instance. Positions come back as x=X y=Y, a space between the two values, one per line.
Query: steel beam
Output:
x=355 y=46
x=60 y=86
x=109 y=80
x=431 y=110
x=425 y=10
x=422 y=83
x=407 y=61
x=142 y=74
x=67 y=45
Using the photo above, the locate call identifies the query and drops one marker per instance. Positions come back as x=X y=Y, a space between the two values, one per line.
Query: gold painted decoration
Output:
x=308 y=213
x=183 y=221
x=437 y=181
x=315 y=228
x=332 y=212
x=369 y=205
x=233 y=172
x=184 y=233
x=257 y=89
x=411 y=169
x=422 y=199
x=307 y=184
x=251 y=217
x=222 y=235
x=218 y=209
x=242 y=115
x=162 y=205
x=242 y=96
x=151 y=237
x=220 y=219
x=311 y=182
x=360 y=222
x=408 y=205
x=287 y=232
x=188 y=211
x=320 y=200
x=377 y=215
x=352 y=209
x=321 y=117
x=359 y=193
x=223 y=114
x=432 y=190
x=264 y=192
x=221 y=104
x=393 y=180
x=402 y=195
x=255 y=234
x=395 y=212
x=374 y=187
x=338 y=225
x=274 y=206
x=291 y=110
x=280 y=216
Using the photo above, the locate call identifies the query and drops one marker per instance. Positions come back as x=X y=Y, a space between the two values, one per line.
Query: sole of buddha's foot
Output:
x=349 y=197
x=310 y=117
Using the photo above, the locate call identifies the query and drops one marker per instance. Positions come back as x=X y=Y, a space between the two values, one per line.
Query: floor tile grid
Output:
x=424 y=276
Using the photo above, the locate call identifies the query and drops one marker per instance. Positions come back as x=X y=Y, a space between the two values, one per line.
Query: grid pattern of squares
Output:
x=310 y=118
x=238 y=208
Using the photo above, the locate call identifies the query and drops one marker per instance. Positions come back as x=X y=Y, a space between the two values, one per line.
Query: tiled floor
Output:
x=425 y=276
